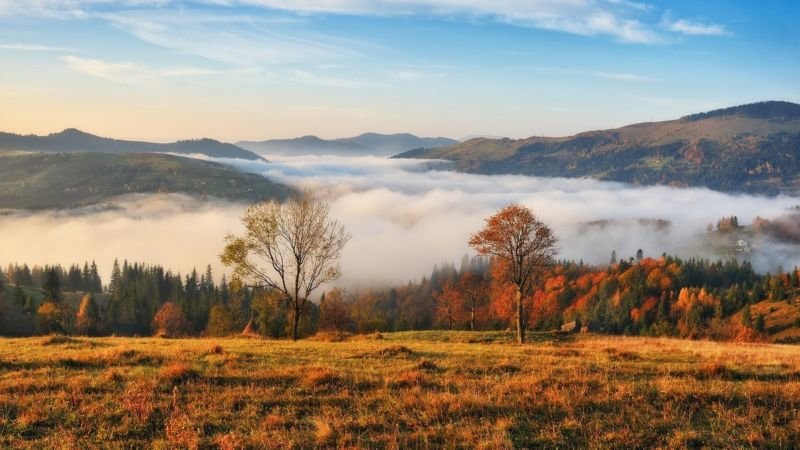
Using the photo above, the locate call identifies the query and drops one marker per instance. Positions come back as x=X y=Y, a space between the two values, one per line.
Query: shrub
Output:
x=49 y=318
x=216 y=349
x=170 y=321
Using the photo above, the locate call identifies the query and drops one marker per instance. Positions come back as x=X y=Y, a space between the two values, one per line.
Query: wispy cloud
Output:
x=36 y=48
x=692 y=27
x=612 y=18
x=329 y=81
x=113 y=71
x=615 y=76
x=632 y=4
x=621 y=20
x=241 y=40
x=129 y=72
x=622 y=76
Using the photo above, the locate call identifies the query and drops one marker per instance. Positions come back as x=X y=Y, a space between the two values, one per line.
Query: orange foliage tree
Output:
x=170 y=321
x=449 y=304
x=474 y=294
x=526 y=244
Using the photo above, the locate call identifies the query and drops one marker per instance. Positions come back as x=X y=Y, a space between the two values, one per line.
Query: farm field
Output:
x=397 y=390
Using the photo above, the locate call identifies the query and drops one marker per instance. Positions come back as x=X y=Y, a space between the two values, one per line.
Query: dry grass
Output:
x=216 y=349
x=178 y=372
x=398 y=392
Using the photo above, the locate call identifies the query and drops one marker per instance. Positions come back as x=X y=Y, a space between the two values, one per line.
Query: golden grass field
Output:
x=397 y=390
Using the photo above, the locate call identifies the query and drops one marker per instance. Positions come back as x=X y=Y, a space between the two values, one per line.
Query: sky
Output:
x=234 y=70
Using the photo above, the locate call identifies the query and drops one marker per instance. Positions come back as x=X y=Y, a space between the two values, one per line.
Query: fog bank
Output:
x=404 y=215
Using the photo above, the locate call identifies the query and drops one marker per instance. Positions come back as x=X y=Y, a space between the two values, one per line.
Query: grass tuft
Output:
x=178 y=372
x=324 y=433
x=320 y=377
x=216 y=349
x=394 y=351
x=57 y=339
x=330 y=336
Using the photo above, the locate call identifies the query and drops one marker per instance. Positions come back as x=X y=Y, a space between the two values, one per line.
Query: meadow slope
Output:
x=398 y=390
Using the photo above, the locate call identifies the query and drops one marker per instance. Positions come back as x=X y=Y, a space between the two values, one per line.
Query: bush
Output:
x=170 y=321
x=49 y=318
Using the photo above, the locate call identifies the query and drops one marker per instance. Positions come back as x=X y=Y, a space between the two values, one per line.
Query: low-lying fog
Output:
x=404 y=215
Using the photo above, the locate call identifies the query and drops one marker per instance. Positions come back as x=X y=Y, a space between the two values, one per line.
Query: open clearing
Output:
x=397 y=390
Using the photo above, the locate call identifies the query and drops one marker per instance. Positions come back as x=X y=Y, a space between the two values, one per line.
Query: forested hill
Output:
x=751 y=148
x=64 y=180
x=72 y=140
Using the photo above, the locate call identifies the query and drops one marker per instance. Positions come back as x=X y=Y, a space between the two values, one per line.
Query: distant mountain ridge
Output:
x=364 y=144
x=753 y=148
x=72 y=140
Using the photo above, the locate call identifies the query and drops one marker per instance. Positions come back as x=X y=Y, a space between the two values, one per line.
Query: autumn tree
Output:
x=526 y=244
x=49 y=318
x=170 y=321
x=449 y=304
x=292 y=248
x=474 y=292
x=87 y=319
x=334 y=311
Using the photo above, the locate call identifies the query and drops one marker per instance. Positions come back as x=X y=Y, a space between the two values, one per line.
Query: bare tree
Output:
x=293 y=248
x=524 y=243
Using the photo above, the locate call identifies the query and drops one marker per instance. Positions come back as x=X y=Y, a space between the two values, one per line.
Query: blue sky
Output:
x=254 y=69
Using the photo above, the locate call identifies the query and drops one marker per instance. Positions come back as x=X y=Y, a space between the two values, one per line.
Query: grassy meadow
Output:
x=397 y=390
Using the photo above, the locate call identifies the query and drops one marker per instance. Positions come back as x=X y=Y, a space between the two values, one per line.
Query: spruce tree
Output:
x=51 y=285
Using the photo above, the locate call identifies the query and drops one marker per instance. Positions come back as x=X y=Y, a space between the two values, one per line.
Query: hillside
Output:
x=364 y=144
x=72 y=140
x=750 y=148
x=63 y=180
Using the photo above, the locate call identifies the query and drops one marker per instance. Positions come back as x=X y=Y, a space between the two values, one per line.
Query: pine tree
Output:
x=758 y=324
x=747 y=318
x=86 y=278
x=19 y=296
x=116 y=279
x=51 y=285
x=96 y=284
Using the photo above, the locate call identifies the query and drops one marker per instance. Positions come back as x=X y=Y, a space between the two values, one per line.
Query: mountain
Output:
x=72 y=140
x=752 y=148
x=65 y=180
x=361 y=145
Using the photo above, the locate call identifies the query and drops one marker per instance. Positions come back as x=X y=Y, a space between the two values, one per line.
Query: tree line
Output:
x=291 y=249
x=664 y=296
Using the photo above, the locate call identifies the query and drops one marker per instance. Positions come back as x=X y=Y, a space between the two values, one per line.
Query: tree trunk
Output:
x=296 y=325
x=520 y=319
x=472 y=319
